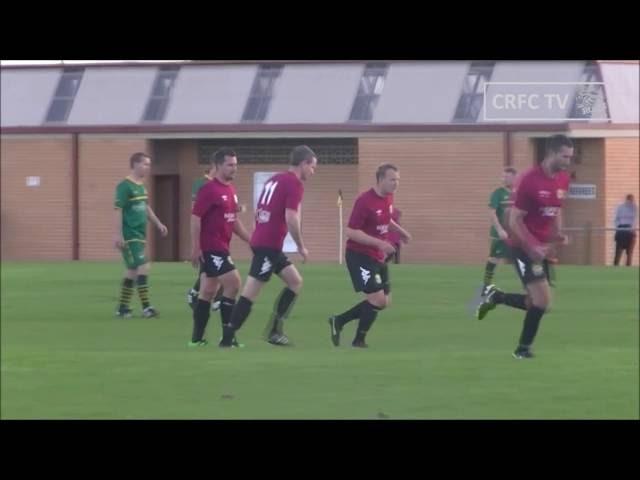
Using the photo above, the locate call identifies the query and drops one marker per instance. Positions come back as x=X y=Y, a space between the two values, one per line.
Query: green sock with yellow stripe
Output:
x=489 y=269
x=126 y=292
x=143 y=291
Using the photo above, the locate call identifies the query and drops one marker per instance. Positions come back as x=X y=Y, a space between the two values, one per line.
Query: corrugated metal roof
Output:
x=305 y=93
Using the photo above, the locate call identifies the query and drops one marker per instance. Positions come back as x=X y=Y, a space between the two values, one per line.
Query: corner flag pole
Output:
x=340 y=243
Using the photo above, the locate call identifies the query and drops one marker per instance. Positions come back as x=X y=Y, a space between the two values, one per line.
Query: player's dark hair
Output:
x=555 y=143
x=137 y=158
x=510 y=170
x=300 y=154
x=630 y=197
x=218 y=157
x=382 y=170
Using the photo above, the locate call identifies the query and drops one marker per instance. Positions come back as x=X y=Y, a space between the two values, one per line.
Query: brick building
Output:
x=67 y=134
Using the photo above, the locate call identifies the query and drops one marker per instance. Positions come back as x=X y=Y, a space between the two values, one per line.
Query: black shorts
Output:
x=367 y=275
x=528 y=270
x=216 y=264
x=624 y=238
x=267 y=261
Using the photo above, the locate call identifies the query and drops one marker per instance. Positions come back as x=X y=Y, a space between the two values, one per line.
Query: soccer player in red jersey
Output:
x=534 y=222
x=213 y=221
x=368 y=246
x=278 y=210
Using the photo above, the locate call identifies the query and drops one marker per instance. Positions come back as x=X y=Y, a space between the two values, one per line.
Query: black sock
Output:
x=226 y=309
x=530 y=327
x=196 y=286
x=200 y=319
x=143 y=291
x=125 y=293
x=368 y=314
x=281 y=309
x=488 y=273
x=515 y=300
x=239 y=314
x=351 y=314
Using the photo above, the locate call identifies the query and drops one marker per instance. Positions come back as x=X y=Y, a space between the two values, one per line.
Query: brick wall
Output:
x=578 y=212
x=445 y=183
x=36 y=221
x=622 y=177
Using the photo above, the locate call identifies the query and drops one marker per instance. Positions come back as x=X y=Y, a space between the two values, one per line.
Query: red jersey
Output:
x=216 y=205
x=372 y=214
x=542 y=198
x=282 y=191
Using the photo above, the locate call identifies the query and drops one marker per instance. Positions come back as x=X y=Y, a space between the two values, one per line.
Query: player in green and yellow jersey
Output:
x=132 y=211
x=499 y=201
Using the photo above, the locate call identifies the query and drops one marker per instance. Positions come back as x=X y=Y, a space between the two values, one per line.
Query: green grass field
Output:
x=65 y=356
